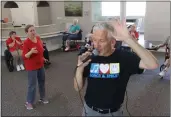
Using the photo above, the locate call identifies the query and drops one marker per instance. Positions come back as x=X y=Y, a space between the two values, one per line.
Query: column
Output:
x=122 y=17
x=36 y=23
x=123 y=10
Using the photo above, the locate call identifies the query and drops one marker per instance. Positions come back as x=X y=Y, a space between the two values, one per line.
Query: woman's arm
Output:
x=19 y=41
x=77 y=31
x=26 y=52
x=11 y=44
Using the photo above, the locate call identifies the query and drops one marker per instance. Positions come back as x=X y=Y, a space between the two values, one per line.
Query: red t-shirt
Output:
x=36 y=60
x=16 y=45
x=136 y=34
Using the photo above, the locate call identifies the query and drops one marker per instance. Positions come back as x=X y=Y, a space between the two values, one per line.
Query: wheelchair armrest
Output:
x=63 y=33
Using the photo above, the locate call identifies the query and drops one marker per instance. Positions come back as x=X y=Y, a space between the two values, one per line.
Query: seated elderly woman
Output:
x=166 y=63
x=15 y=46
x=73 y=31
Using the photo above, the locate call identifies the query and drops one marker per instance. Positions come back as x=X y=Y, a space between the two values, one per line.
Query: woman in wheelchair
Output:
x=73 y=31
x=15 y=46
x=165 y=66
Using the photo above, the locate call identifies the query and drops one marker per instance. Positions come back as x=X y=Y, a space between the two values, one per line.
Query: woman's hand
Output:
x=45 y=60
x=33 y=50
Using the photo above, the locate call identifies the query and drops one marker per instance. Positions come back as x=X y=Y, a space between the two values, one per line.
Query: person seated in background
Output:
x=133 y=32
x=166 y=64
x=73 y=31
x=89 y=43
x=165 y=43
x=15 y=46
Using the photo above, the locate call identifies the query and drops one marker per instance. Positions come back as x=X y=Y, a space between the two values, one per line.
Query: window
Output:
x=135 y=8
x=110 y=8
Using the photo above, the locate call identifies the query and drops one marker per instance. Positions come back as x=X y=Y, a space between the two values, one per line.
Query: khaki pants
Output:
x=17 y=55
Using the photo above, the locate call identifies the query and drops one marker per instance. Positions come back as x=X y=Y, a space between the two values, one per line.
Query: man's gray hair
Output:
x=104 y=26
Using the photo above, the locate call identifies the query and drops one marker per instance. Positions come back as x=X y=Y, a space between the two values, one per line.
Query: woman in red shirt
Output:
x=34 y=64
x=15 y=45
x=134 y=33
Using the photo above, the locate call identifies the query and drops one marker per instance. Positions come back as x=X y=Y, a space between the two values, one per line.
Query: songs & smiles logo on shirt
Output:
x=104 y=70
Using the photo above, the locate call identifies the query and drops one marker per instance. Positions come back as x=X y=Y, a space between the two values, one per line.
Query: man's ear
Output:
x=113 y=41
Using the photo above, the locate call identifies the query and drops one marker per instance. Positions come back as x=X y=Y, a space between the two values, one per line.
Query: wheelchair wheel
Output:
x=73 y=44
x=11 y=66
x=162 y=67
x=9 y=61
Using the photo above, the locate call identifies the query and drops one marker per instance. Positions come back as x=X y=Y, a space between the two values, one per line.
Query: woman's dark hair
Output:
x=27 y=27
x=11 y=33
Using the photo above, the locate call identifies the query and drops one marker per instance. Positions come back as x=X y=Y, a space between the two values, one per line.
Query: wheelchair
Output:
x=167 y=52
x=46 y=55
x=167 y=56
x=9 y=58
x=74 y=45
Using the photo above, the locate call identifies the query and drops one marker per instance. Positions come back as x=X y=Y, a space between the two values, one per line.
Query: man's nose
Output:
x=98 y=45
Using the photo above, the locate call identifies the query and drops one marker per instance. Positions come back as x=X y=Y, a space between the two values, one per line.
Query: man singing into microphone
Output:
x=108 y=73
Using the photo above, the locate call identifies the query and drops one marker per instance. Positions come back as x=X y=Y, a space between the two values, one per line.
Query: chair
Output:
x=46 y=55
x=9 y=60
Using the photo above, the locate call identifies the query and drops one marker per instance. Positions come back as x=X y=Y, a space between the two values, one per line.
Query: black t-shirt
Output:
x=108 y=78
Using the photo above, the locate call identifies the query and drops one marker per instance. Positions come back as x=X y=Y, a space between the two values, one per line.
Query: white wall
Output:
x=44 y=16
x=24 y=14
x=6 y=13
x=58 y=15
x=157 y=21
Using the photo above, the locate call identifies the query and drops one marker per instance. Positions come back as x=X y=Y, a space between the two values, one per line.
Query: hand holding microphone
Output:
x=85 y=58
x=82 y=58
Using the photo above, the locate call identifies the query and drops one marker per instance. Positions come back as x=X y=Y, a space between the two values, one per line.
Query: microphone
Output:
x=94 y=53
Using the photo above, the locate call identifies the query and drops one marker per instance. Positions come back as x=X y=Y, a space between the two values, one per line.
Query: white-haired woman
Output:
x=73 y=30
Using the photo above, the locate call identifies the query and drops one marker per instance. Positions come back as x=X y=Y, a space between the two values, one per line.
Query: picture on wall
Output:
x=73 y=9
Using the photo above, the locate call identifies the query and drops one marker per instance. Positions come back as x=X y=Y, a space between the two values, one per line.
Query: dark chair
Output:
x=46 y=55
x=46 y=52
x=9 y=60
